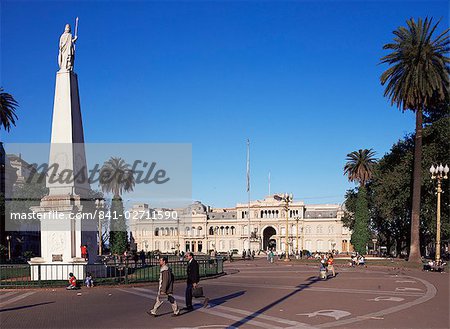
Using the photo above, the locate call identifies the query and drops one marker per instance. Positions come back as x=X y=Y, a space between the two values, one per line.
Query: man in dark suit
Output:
x=193 y=277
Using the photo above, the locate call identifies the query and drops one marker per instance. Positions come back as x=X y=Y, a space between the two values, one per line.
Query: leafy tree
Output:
x=359 y=168
x=417 y=79
x=360 y=234
x=350 y=208
x=392 y=184
x=8 y=106
x=118 y=228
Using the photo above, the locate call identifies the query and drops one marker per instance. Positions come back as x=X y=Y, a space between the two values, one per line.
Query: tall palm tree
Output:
x=8 y=107
x=116 y=177
x=359 y=166
x=418 y=76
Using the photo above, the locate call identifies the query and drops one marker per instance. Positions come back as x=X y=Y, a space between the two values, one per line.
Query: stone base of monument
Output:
x=51 y=271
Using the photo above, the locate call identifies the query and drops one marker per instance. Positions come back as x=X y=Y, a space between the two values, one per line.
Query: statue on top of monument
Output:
x=66 y=55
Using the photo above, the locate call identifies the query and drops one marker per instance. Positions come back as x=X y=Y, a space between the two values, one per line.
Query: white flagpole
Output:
x=248 y=191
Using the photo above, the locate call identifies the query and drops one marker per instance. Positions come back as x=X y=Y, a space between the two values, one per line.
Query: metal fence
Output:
x=125 y=272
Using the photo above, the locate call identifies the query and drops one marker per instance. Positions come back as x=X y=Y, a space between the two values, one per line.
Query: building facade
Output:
x=200 y=228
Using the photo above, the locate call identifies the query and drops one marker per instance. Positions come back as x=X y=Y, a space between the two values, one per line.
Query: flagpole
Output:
x=248 y=191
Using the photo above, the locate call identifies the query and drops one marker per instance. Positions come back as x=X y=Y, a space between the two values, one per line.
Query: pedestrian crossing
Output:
x=11 y=297
x=258 y=320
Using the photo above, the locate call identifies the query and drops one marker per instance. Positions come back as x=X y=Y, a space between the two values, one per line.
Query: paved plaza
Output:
x=252 y=294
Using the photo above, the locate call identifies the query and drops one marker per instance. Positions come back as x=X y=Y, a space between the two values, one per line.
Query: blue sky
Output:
x=299 y=78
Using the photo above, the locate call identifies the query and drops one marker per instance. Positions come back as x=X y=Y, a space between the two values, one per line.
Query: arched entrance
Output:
x=268 y=241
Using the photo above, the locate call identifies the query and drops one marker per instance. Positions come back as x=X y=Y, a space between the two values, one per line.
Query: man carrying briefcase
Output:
x=193 y=277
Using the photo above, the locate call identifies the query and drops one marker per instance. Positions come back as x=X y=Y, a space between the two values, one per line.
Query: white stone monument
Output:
x=63 y=230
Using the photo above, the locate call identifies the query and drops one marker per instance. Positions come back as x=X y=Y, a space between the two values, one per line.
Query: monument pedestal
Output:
x=43 y=271
x=62 y=234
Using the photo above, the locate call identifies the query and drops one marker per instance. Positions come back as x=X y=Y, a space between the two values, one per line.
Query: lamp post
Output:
x=9 y=246
x=439 y=173
x=99 y=204
x=296 y=233
x=178 y=234
x=287 y=198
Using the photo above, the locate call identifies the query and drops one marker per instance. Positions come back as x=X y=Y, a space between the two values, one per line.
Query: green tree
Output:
x=418 y=77
x=118 y=238
x=116 y=177
x=351 y=196
x=8 y=106
x=392 y=184
x=359 y=168
x=391 y=198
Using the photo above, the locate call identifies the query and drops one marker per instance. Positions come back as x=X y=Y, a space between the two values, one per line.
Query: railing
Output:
x=29 y=276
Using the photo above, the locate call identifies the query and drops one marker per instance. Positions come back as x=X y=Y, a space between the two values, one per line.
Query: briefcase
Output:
x=197 y=292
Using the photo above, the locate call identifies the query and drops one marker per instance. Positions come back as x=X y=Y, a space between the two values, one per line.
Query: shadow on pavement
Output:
x=310 y=281
x=25 y=306
x=223 y=299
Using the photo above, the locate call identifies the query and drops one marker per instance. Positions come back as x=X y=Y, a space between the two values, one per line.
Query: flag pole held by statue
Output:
x=76 y=26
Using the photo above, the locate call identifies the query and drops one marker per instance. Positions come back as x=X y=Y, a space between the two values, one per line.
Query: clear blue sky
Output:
x=299 y=78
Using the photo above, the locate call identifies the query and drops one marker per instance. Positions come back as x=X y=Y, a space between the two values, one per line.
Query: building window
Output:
x=308 y=230
x=211 y=230
x=156 y=231
x=320 y=245
x=319 y=229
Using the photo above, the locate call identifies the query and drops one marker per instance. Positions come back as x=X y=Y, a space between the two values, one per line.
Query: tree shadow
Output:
x=309 y=281
x=25 y=306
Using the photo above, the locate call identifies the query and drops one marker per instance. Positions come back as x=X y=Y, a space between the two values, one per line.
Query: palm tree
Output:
x=418 y=76
x=8 y=107
x=359 y=166
x=116 y=177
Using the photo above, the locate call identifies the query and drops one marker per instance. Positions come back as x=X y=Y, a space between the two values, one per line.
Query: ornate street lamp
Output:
x=287 y=198
x=296 y=234
x=439 y=173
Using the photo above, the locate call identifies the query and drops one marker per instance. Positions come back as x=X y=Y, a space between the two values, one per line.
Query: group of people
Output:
x=326 y=264
x=89 y=282
x=357 y=260
x=165 y=287
x=248 y=254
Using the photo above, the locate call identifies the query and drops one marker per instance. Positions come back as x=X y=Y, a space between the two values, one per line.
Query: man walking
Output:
x=193 y=277
x=166 y=279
